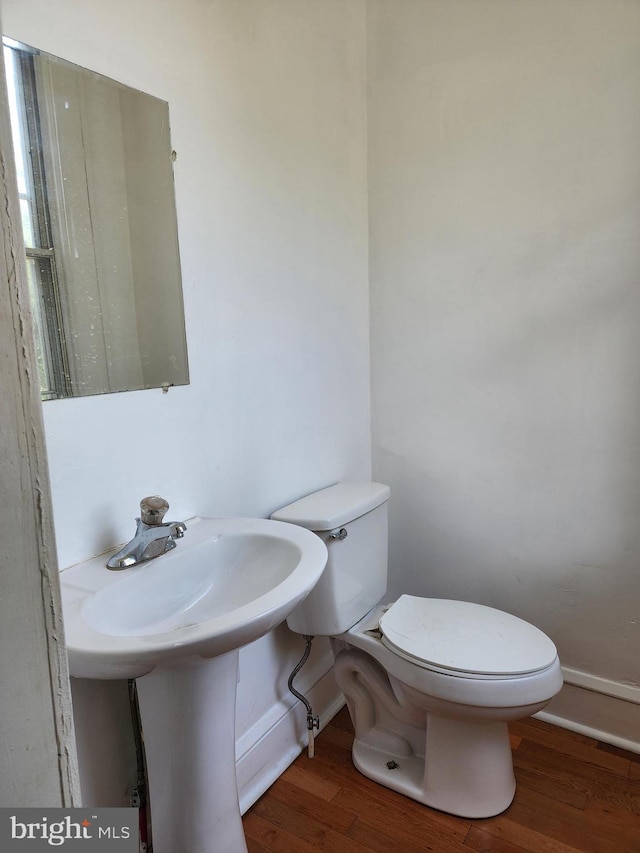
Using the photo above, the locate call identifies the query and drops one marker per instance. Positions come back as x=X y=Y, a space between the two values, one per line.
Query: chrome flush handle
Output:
x=338 y=533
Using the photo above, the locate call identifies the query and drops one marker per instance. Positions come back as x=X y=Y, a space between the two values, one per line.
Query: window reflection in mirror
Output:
x=95 y=182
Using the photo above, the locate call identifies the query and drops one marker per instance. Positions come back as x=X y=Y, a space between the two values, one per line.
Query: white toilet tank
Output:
x=355 y=578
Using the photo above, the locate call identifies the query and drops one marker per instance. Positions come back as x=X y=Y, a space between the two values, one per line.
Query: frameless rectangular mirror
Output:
x=95 y=180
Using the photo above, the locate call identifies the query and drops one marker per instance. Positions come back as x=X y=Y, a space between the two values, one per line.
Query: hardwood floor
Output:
x=573 y=794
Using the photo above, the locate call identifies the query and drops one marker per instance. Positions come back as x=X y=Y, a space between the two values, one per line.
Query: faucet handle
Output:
x=152 y=510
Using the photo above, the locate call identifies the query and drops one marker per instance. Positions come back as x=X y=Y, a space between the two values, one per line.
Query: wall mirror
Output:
x=95 y=180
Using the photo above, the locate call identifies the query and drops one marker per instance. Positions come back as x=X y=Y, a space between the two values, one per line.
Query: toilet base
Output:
x=467 y=769
x=460 y=763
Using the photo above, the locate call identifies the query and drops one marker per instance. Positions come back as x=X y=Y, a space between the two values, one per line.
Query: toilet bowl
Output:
x=430 y=683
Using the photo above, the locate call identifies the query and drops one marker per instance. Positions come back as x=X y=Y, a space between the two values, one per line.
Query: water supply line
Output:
x=312 y=722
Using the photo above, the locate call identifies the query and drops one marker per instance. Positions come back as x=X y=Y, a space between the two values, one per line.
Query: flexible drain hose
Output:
x=312 y=722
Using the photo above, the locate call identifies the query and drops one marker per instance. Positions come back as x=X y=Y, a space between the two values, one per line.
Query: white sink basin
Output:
x=229 y=581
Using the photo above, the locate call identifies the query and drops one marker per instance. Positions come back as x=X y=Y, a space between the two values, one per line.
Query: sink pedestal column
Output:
x=188 y=725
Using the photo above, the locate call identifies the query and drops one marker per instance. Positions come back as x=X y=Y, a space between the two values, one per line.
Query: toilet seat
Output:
x=461 y=639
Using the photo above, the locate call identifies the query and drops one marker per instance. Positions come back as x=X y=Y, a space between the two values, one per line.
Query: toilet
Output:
x=430 y=683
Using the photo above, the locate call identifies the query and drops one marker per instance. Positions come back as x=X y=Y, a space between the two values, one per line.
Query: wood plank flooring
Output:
x=574 y=794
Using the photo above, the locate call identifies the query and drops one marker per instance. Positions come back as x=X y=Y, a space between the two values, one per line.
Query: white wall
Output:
x=267 y=115
x=505 y=284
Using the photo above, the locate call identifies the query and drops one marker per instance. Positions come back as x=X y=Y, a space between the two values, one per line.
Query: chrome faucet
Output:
x=153 y=536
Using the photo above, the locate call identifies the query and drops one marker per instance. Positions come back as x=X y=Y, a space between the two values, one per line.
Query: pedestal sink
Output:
x=175 y=624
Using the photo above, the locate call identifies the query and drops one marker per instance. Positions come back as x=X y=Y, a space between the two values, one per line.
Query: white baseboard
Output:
x=597 y=707
x=268 y=748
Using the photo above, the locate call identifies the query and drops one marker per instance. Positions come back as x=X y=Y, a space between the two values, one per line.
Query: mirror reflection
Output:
x=95 y=181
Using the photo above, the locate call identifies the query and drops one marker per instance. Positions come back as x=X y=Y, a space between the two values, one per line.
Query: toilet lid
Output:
x=464 y=637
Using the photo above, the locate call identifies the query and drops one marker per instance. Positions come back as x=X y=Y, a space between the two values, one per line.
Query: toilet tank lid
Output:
x=334 y=506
